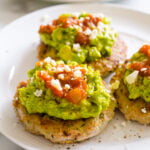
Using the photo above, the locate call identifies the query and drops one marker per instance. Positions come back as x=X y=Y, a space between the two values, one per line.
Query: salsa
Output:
x=72 y=88
x=142 y=67
x=145 y=49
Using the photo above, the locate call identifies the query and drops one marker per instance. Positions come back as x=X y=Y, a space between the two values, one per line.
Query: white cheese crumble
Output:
x=87 y=32
x=56 y=84
x=59 y=69
x=38 y=93
x=42 y=72
x=77 y=47
x=93 y=34
x=77 y=73
x=67 y=68
x=143 y=110
x=131 y=78
x=61 y=76
x=67 y=87
x=143 y=69
x=50 y=60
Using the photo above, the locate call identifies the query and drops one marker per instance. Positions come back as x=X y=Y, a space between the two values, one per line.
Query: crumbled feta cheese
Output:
x=93 y=34
x=143 y=110
x=61 y=76
x=52 y=69
x=77 y=73
x=56 y=84
x=87 y=32
x=143 y=69
x=76 y=26
x=59 y=69
x=38 y=93
x=67 y=68
x=100 y=25
x=115 y=85
x=67 y=87
x=42 y=72
x=131 y=78
x=50 y=60
x=77 y=47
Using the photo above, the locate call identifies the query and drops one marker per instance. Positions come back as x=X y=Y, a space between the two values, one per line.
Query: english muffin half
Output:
x=64 y=103
x=131 y=86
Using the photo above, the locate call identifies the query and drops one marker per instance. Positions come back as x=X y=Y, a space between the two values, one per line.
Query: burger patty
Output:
x=105 y=65
x=133 y=109
x=63 y=131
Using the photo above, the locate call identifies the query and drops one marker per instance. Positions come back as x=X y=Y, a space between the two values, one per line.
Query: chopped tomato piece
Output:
x=76 y=95
x=145 y=49
x=39 y=63
x=82 y=39
x=46 y=28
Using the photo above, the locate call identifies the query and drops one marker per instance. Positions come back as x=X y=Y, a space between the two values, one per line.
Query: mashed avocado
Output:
x=141 y=87
x=100 y=39
x=39 y=99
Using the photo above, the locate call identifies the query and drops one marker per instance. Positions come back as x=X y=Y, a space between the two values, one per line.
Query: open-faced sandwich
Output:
x=83 y=38
x=131 y=86
x=64 y=103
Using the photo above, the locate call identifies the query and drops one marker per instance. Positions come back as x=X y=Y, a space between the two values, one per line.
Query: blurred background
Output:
x=13 y=9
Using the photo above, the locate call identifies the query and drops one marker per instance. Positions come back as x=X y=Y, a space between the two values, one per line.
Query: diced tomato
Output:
x=45 y=76
x=78 y=85
x=39 y=63
x=82 y=39
x=76 y=95
x=46 y=28
x=139 y=66
x=54 y=90
x=145 y=49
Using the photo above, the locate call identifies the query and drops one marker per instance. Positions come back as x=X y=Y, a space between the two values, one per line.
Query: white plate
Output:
x=18 y=42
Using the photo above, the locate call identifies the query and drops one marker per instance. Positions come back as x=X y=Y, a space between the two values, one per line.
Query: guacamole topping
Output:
x=84 y=37
x=137 y=75
x=64 y=91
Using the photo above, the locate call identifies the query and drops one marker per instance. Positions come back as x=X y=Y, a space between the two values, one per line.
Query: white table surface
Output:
x=12 y=9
